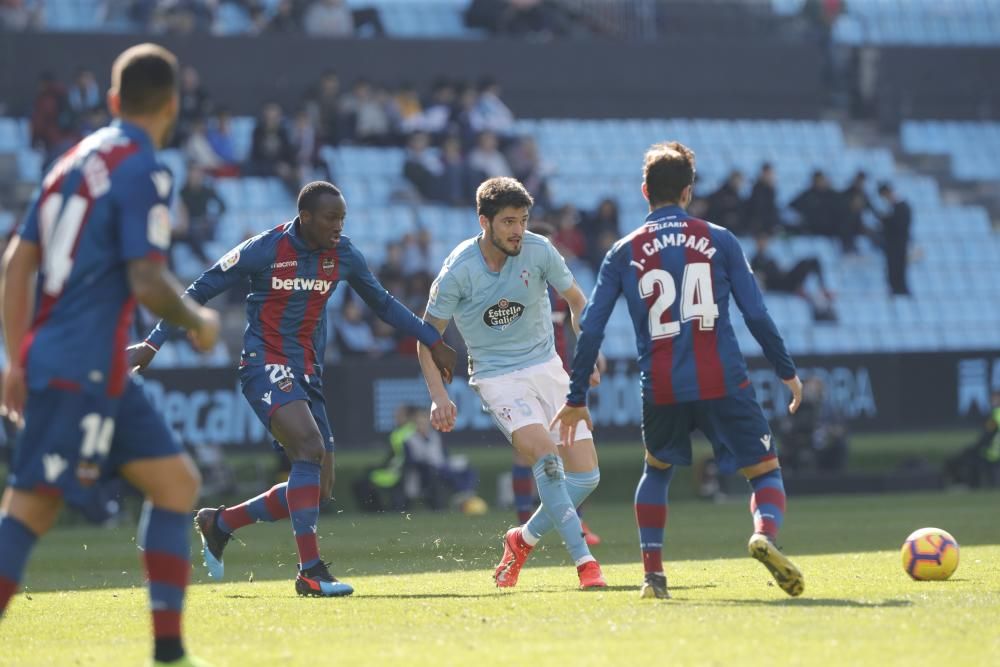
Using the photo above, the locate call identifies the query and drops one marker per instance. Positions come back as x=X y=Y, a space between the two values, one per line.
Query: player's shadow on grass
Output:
x=811 y=602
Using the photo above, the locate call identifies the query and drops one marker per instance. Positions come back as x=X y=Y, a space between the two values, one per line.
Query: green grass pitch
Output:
x=425 y=594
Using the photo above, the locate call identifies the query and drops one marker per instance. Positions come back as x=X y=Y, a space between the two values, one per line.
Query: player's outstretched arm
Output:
x=750 y=301
x=577 y=301
x=443 y=411
x=155 y=287
x=20 y=263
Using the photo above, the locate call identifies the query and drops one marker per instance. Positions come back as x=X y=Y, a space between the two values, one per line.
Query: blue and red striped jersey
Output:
x=289 y=287
x=104 y=202
x=677 y=273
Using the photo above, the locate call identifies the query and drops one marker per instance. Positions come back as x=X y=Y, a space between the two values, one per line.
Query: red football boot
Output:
x=515 y=552
x=591 y=576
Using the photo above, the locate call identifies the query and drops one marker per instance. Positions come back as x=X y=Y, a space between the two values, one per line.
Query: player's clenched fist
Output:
x=443 y=415
x=204 y=337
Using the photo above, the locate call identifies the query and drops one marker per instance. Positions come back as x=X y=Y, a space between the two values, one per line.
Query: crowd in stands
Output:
x=541 y=19
x=455 y=137
x=819 y=210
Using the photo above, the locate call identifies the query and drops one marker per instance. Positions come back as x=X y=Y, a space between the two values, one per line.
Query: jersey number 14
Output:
x=697 y=299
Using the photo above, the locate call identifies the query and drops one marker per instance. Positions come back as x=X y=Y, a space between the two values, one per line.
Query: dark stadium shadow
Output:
x=810 y=602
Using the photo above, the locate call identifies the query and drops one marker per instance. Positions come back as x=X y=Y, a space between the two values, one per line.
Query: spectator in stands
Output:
x=391 y=270
x=198 y=213
x=544 y=18
x=195 y=103
x=486 y=158
x=895 y=238
x=600 y=229
x=328 y=108
x=818 y=206
x=286 y=19
x=272 y=152
x=466 y=115
x=854 y=204
x=220 y=138
x=423 y=167
x=305 y=139
x=17 y=15
x=329 y=18
x=529 y=168
x=182 y=17
x=198 y=149
x=353 y=333
x=367 y=114
x=773 y=278
x=726 y=206
x=762 y=208
x=437 y=116
x=417 y=254
x=408 y=106
x=50 y=117
x=493 y=114
x=568 y=235
x=84 y=96
x=457 y=186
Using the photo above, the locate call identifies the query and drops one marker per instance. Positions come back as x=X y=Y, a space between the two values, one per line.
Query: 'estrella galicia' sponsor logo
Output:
x=502 y=314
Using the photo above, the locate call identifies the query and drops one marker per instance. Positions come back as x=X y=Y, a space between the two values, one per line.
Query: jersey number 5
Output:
x=697 y=299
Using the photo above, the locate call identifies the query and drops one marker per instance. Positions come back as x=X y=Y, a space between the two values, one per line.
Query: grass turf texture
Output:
x=425 y=595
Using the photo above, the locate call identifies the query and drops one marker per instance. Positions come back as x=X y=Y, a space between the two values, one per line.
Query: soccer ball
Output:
x=930 y=554
x=474 y=506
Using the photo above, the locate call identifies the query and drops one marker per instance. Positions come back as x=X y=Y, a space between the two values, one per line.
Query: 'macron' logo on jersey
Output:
x=502 y=314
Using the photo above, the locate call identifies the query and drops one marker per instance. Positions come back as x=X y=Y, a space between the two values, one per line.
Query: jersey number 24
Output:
x=697 y=299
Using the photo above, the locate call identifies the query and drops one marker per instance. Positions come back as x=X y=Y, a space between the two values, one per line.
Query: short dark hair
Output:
x=145 y=78
x=667 y=169
x=884 y=187
x=311 y=192
x=499 y=193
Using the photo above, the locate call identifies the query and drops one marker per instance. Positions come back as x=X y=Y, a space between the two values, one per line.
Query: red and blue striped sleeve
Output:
x=592 y=323
x=751 y=303
x=385 y=305
x=238 y=264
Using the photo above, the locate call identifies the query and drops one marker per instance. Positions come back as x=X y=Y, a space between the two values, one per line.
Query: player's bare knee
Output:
x=656 y=463
x=758 y=469
x=308 y=448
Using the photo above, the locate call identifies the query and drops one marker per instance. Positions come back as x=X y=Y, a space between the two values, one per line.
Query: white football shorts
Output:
x=531 y=395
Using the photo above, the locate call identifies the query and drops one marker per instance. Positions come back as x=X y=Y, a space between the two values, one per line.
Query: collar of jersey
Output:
x=666 y=211
x=296 y=235
x=133 y=132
